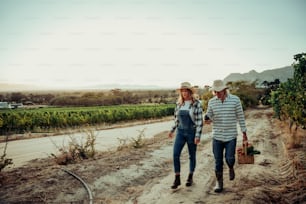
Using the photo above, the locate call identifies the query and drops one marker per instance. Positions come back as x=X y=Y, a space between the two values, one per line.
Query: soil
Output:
x=145 y=174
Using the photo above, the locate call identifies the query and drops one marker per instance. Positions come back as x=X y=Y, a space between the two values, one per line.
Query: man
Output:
x=224 y=111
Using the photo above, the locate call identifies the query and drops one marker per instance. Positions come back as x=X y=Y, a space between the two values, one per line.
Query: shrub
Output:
x=4 y=162
x=76 y=150
x=139 y=141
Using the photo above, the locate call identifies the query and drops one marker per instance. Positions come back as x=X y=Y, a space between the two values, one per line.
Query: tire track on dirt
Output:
x=250 y=179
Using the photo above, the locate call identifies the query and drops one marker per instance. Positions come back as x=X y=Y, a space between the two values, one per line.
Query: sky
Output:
x=75 y=43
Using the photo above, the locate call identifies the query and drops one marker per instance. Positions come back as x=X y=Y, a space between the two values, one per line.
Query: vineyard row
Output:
x=42 y=120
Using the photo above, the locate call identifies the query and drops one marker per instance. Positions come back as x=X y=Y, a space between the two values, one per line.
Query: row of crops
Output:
x=44 y=119
x=289 y=100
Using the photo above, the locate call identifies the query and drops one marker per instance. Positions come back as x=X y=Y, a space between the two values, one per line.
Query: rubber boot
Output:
x=189 y=180
x=177 y=182
x=231 y=174
x=219 y=183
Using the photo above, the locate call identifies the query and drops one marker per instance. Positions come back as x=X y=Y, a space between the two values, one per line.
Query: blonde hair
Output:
x=181 y=100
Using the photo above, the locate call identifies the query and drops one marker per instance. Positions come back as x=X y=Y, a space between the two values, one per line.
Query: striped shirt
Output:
x=196 y=114
x=225 y=117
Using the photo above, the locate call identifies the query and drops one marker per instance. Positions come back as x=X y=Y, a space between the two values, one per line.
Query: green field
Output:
x=45 y=119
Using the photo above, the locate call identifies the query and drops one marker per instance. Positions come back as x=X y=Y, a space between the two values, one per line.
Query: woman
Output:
x=188 y=119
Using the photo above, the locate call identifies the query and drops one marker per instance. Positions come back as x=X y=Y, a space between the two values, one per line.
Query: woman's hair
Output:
x=181 y=99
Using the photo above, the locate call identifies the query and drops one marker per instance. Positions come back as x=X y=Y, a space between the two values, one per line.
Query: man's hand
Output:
x=197 y=140
x=207 y=120
x=244 y=137
x=170 y=134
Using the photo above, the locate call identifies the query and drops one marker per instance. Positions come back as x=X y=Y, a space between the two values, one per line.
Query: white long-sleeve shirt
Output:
x=225 y=116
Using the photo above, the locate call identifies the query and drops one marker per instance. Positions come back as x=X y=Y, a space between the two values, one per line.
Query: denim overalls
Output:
x=185 y=133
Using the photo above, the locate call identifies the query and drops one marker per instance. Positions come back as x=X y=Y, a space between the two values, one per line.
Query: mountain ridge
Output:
x=269 y=75
x=7 y=87
x=283 y=74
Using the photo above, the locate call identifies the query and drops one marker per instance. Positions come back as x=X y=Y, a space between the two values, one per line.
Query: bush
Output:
x=289 y=99
x=139 y=141
x=247 y=92
x=4 y=162
x=76 y=150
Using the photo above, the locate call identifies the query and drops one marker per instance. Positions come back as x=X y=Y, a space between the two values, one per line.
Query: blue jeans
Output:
x=182 y=137
x=218 y=150
x=185 y=134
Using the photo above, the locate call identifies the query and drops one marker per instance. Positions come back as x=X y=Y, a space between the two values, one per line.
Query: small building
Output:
x=16 y=105
x=4 y=105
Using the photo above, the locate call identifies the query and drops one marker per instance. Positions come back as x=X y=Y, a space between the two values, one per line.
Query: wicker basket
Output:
x=245 y=159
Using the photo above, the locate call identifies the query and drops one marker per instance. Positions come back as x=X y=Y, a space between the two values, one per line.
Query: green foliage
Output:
x=247 y=92
x=45 y=119
x=290 y=98
x=265 y=98
x=112 y=97
x=274 y=101
x=90 y=98
x=205 y=98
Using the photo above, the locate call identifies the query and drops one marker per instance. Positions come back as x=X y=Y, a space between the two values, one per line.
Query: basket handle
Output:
x=245 y=143
x=245 y=147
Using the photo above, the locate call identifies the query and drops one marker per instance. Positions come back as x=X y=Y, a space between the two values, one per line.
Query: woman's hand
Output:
x=197 y=140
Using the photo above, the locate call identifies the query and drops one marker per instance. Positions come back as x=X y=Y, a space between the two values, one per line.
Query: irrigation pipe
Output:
x=83 y=182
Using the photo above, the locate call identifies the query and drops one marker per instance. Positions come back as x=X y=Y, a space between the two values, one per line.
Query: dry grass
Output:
x=76 y=150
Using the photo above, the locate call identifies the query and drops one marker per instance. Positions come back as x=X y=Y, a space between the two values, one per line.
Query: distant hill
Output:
x=125 y=87
x=7 y=87
x=268 y=75
x=18 y=87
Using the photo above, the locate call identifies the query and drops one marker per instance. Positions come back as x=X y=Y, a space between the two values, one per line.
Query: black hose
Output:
x=83 y=182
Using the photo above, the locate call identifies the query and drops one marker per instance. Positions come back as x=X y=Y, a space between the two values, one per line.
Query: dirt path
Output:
x=251 y=180
x=144 y=175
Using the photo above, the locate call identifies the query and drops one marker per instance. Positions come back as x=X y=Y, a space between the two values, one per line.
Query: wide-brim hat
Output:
x=218 y=85
x=187 y=85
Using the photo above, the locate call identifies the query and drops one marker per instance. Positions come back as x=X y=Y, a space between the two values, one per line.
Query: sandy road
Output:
x=22 y=151
x=240 y=190
x=261 y=182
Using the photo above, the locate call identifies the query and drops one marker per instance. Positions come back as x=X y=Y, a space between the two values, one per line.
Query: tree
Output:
x=17 y=97
x=246 y=91
x=269 y=87
x=289 y=100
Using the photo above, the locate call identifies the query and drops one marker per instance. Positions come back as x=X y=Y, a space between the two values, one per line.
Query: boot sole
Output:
x=218 y=190
x=174 y=190
x=175 y=187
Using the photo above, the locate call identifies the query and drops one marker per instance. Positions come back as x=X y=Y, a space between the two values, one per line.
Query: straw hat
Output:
x=218 y=85
x=187 y=85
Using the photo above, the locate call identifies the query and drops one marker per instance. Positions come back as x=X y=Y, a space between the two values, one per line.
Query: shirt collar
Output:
x=227 y=96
